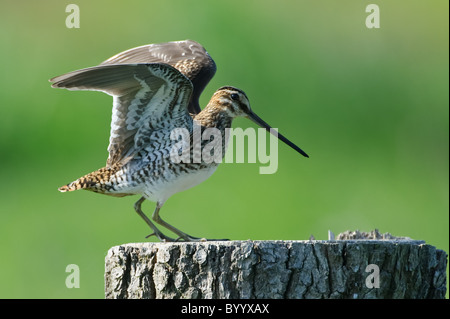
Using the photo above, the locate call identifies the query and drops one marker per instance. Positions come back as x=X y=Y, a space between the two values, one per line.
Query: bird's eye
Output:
x=235 y=96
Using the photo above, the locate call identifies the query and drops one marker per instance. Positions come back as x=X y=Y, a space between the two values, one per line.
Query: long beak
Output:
x=256 y=119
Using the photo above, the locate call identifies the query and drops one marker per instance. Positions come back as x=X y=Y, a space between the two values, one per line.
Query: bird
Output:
x=156 y=90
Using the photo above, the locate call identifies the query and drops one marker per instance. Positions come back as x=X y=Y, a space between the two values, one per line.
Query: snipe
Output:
x=156 y=90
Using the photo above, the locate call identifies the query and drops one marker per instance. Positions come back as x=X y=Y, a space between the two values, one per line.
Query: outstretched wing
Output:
x=147 y=97
x=187 y=56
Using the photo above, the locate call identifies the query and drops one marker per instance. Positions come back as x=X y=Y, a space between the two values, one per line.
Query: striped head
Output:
x=233 y=101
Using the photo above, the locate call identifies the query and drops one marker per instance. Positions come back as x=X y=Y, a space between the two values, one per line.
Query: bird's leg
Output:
x=181 y=234
x=159 y=220
x=156 y=231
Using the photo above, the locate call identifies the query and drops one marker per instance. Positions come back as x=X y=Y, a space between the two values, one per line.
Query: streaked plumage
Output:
x=155 y=90
x=188 y=57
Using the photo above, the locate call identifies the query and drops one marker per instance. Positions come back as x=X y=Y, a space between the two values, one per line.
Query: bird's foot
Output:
x=184 y=238
x=188 y=238
x=163 y=238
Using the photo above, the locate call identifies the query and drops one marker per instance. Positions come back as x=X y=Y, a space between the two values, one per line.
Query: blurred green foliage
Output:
x=370 y=107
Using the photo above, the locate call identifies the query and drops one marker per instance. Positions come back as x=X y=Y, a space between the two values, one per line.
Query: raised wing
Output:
x=188 y=56
x=147 y=97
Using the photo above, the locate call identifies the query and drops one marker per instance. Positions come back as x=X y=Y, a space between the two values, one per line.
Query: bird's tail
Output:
x=98 y=181
x=93 y=181
x=67 y=188
x=81 y=183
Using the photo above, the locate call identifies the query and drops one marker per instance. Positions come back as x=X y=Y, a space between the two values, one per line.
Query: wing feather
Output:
x=146 y=97
x=189 y=57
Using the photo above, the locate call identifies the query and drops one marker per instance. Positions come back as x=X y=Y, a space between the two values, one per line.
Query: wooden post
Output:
x=341 y=268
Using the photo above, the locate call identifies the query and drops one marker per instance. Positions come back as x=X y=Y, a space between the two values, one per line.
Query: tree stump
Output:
x=349 y=268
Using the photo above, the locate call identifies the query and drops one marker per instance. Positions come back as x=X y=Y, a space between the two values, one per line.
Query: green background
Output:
x=370 y=107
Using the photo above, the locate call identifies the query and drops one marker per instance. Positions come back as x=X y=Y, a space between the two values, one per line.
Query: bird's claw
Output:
x=186 y=238
x=197 y=239
x=163 y=238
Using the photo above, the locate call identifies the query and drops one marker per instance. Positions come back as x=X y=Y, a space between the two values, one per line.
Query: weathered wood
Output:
x=276 y=269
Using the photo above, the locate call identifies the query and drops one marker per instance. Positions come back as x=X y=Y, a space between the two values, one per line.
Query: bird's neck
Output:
x=214 y=115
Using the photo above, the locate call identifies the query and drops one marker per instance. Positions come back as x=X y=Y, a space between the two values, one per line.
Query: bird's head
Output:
x=236 y=104
x=233 y=101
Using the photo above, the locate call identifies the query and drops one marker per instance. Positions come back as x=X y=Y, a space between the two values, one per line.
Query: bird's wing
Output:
x=188 y=56
x=147 y=98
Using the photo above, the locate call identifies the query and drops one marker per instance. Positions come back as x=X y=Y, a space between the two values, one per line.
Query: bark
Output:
x=277 y=269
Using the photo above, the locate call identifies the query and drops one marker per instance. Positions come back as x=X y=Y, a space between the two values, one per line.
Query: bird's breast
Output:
x=176 y=178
